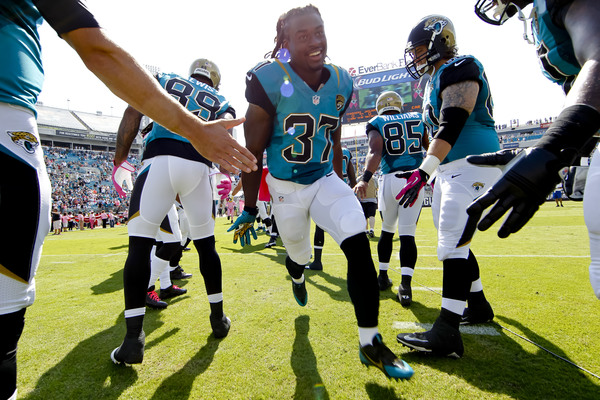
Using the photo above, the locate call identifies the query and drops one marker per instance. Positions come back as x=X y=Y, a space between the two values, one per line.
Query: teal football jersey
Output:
x=300 y=148
x=346 y=159
x=479 y=134
x=199 y=98
x=402 y=140
x=554 y=48
x=21 y=72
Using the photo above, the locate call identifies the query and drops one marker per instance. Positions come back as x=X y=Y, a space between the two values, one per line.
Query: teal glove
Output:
x=244 y=227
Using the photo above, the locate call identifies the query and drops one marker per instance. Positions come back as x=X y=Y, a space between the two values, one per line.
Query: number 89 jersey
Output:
x=402 y=135
x=199 y=98
x=300 y=149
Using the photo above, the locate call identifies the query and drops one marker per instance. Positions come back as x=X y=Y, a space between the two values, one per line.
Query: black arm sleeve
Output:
x=255 y=94
x=463 y=69
x=66 y=15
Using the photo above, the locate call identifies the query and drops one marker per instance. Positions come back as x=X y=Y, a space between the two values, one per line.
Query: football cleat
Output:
x=272 y=242
x=442 y=339
x=380 y=356
x=171 y=291
x=315 y=266
x=477 y=315
x=178 y=273
x=405 y=295
x=384 y=282
x=300 y=293
x=220 y=326
x=131 y=351
x=153 y=301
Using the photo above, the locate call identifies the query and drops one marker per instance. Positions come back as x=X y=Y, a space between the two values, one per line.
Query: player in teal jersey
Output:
x=396 y=141
x=21 y=78
x=567 y=37
x=171 y=170
x=457 y=110
x=295 y=113
x=349 y=176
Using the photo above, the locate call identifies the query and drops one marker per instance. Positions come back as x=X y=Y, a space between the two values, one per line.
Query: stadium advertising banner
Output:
x=368 y=87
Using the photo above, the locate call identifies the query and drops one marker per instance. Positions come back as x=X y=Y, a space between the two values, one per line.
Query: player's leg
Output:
x=318 y=242
x=591 y=213
x=293 y=224
x=151 y=198
x=170 y=239
x=196 y=197
x=24 y=202
x=336 y=209
x=388 y=206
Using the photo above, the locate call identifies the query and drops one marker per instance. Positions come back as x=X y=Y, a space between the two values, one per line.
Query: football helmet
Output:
x=496 y=12
x=389 y=101
x=437 y=34
x=208 y=69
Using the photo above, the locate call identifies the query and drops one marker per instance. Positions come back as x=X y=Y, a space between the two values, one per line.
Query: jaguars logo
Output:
x=436 y=25
x=26 y=140
x=477 y=186
x=339 y=102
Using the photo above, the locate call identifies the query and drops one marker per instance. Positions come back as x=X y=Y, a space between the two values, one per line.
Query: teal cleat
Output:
x=380 y=356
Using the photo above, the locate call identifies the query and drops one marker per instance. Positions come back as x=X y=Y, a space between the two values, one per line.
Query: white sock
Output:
x=366 y=335
x=298 y=281
x=384 y=266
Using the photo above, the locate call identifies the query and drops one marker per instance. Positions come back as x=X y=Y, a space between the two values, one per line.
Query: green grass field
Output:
x=537 y=282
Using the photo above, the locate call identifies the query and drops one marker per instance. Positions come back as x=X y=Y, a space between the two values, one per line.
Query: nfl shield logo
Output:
x=316 y=100
x=281 y=199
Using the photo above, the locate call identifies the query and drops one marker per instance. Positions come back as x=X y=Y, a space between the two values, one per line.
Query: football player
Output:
x=349 y=176
x=567 y=37
x=294 y=113
x=396 y=140
x=457 y=110
x=171 y=168
x=21 y=78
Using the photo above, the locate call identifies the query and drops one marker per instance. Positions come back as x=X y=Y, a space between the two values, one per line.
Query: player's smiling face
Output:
x=306 y=41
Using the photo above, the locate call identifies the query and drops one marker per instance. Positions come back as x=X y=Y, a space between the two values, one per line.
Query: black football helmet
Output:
x=437 y=34
x=497 y=12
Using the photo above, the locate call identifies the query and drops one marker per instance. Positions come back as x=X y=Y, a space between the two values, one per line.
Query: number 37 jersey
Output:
x=300 y=148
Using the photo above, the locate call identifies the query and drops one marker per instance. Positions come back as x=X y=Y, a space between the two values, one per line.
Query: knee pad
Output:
x=351 y=223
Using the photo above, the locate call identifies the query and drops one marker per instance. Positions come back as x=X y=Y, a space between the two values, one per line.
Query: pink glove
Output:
x=225 y=188
x=122 y=174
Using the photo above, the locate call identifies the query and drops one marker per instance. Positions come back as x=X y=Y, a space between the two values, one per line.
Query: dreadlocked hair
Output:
x=282 y=25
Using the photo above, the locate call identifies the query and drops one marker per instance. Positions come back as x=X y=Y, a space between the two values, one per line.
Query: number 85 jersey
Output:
x=300 y=148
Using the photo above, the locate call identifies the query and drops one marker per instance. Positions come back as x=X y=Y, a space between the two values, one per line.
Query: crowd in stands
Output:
x=81 y=181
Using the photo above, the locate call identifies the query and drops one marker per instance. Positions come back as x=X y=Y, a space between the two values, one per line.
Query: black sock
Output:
x=136 y=273
x=210 y=265
x=408 y=251
x=134 y=326
x=362 y=280
x=318 y=253
x=294 y=269
x=384 y=246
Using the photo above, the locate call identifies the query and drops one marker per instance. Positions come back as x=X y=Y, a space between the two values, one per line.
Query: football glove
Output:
x=522 y=188
x=499 y=159
x=415 y=180
x=122 y=174
x=244 y=227
x=224 y=188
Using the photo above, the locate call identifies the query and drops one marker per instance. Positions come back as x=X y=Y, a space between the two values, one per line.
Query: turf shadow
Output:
x=309 y=383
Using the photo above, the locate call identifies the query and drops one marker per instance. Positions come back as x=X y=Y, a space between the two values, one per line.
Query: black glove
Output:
x=523 y=188
x=497 y=159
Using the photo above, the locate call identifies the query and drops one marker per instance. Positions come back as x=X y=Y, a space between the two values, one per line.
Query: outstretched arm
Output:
x=119 y=71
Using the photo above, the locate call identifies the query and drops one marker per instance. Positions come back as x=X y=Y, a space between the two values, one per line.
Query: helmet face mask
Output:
x=495 y=12
x=435 y=34
x=207 y=69
x=389 y=101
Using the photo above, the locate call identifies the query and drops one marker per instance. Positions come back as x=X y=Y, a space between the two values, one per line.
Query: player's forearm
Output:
x=373 y=160
x=128 y=129
x=119 y=71
x=251 y=185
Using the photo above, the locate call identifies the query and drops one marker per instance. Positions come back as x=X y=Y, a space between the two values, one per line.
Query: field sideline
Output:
x=537 y=282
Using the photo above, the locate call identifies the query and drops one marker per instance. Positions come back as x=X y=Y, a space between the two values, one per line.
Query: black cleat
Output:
x=178 y=273
x=315 y=266
x=300 y=293
x=380 y=356
x=220 y=326
x=153 y=301
x=477 y=315
x=171 y=291
x=272 y=242
x=405 y=295
x=131 y=351
x=384 y=282
x=441 y=340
